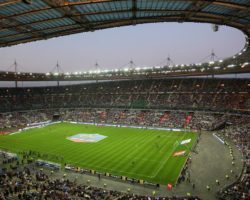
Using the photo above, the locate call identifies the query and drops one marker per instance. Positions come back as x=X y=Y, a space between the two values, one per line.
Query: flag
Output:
x=185 y=141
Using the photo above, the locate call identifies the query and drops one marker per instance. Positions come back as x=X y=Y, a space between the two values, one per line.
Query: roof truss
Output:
x=238 y=17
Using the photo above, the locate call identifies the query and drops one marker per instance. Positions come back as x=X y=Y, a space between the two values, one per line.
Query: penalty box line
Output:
x=154 y=161
x=164 y=162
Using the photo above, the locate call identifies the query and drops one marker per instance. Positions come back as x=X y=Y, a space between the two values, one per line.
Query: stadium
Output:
x=162 y=132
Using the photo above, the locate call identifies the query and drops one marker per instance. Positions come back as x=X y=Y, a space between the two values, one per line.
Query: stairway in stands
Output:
x=164 y=117
x=103 y=117
x=188 y=119
x=141 y=118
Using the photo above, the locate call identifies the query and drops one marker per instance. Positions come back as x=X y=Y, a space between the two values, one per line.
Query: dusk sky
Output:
x=146 y=45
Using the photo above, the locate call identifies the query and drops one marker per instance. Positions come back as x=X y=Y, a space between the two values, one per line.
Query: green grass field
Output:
x=136 y=153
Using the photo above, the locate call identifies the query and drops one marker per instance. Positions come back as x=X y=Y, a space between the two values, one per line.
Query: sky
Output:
x=145 y=45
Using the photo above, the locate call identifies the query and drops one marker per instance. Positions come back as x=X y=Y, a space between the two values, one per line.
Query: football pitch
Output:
x=135 y=153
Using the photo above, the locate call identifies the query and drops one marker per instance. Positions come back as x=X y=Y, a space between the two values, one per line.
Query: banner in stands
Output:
x=186 y=141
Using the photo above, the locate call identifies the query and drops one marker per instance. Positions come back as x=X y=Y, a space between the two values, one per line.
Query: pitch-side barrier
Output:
x=131 y=126
x=47 y=123
x=36 y=125
x=110 y=176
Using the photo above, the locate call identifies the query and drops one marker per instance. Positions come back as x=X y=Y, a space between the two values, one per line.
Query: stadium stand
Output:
x=238 y=132
x=189 y=94
x=29 y=183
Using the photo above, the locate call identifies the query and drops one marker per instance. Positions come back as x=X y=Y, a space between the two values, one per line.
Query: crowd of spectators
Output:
x=16 y=120
x=29 y=183
x=238 y=132
x=189 y=94
x=148 y=118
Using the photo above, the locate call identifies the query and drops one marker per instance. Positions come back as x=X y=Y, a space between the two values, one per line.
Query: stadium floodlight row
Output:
x=201 y=69
x=68 y=17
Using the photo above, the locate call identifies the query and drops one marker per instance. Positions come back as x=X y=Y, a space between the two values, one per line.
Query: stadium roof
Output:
x=29 y=20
